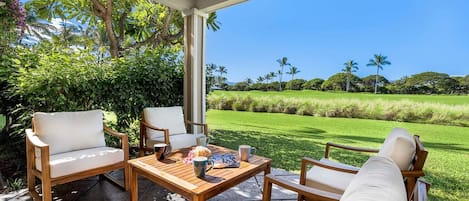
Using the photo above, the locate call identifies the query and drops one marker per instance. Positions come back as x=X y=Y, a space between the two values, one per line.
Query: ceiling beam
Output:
x=209 y=6
x=206 y=6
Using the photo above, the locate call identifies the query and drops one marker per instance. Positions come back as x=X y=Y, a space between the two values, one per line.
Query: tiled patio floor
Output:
x=94 y=188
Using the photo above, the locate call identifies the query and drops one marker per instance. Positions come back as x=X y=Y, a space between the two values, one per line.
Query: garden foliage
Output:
x=51 y=78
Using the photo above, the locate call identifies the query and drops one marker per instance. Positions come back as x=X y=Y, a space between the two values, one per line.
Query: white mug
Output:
x=202 y=140
x=245 y=152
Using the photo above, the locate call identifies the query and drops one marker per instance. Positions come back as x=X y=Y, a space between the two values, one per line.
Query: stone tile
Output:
x=248 y=190
x=94 y=188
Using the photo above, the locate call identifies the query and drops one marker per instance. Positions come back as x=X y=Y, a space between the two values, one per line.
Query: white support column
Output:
x=194 y=66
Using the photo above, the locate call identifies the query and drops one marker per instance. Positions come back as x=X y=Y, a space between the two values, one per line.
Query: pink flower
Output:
x=14 y=10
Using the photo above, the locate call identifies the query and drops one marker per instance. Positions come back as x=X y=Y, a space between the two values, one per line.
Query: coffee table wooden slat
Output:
x=178 y=177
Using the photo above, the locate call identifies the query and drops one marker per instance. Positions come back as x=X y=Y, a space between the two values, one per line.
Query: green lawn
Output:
x=287 y=138
x=444 y=99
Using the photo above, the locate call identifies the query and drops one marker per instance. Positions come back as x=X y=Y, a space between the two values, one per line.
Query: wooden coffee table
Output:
x=176 y=176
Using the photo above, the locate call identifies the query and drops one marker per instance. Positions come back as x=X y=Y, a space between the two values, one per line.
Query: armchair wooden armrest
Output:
x=114 y=133
x=346 y=147
x=204 y=126
x=124 y=140
x=302 y=190
x=147 y=125
x=412 y=173
x=309 y=161
x=33 y=142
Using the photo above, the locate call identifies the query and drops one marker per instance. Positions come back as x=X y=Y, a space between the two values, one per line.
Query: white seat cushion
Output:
x=76 y=161
x=177 y=141
x=329 y=180
x=69 y=131
x=170 y=118
x=400 y=147
x=379 y=179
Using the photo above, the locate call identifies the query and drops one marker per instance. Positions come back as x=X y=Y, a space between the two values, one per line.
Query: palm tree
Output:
x=211 y=68
x=283 y=62
x=269 y=76
x=222 y=70
x=70 y=34
x=379 y=61
x=260 y=79
x=249 y=81
x=210 y=77
x=350 y=67
x=293 y=71
x=37 y=27
x=272 y=75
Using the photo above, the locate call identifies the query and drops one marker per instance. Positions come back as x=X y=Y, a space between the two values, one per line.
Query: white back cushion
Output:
x=170 y=118
x=70 y=131
x=378 y=179
x=400 y=147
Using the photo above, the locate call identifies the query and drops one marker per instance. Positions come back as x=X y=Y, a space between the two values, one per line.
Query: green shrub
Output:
x=314 y=84
x=153 y=78
x=258 y=106
x=52 y=78
x=242 y=104
x=404 y=110
x=296 y=84
x=15 y=184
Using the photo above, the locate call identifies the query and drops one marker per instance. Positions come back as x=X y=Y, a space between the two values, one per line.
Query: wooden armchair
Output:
x=411 y=175
x=329 y=179
x=167 y=125
x=359 y=189
x=67 y=146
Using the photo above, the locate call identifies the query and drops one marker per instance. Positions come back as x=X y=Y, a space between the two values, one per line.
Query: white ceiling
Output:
x=206 y=6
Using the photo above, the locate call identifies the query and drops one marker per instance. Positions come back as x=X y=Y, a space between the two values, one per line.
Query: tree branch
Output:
x=167 y=22
x=152 y=39
x=98 y=9
x=122 y=26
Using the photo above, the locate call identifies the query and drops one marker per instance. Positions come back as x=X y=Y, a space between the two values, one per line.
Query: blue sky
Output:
x=318 y=37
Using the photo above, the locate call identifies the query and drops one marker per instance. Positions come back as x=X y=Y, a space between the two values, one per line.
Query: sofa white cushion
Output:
x=400 y=147
x=177 y=141
x=70 y=131
x=379 y=179
x=82 y=160
x=329 y=180
x=171 y=118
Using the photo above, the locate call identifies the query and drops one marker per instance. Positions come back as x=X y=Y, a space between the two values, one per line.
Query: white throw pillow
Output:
x=70 y=131
x=400 y=147
x=170 y=118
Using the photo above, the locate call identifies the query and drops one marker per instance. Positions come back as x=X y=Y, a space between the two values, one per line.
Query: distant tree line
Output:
x=421 y=83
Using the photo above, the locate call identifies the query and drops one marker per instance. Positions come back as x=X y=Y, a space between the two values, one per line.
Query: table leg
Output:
x=267 y=169
x=198 y=198
x=133 y=184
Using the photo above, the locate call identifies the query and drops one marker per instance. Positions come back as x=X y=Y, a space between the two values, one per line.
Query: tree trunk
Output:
x=105 y=13
x=376 y=81
x=348 y=83
x=280 y=80
x=114 y=44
